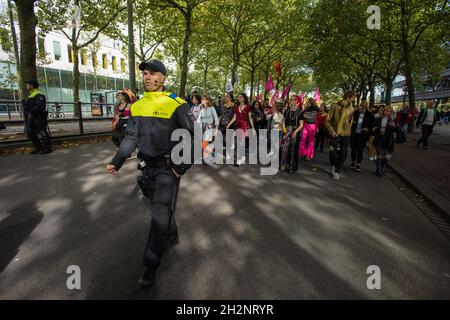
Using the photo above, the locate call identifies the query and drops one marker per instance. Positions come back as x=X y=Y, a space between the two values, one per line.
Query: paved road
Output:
x=243 y=236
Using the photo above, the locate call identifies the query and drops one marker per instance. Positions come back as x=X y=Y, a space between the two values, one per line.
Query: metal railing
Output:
x=12 y=112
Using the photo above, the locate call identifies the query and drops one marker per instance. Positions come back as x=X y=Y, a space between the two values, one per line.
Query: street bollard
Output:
x=80 y=117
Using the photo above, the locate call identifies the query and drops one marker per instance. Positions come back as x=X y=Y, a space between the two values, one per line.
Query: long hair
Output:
x=210 y=103
x=245 y=98
x=254 y=104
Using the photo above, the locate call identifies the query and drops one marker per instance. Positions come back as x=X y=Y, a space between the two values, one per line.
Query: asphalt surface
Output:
x=243 y=236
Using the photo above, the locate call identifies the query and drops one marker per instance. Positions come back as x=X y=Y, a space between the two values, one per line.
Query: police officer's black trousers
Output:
x=162 y=186
x=37 y=126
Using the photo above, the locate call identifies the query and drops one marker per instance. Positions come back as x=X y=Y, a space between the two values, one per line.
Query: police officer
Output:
x=149 y=128
x=36 y=118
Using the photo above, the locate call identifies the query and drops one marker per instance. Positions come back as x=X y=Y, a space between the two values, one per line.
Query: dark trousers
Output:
x=358 y=142
x=383 y=154
x=320 y=138
x=162 y=186
x=427 y=129
x=338 y=153
x=119 y=132
x=37 y=126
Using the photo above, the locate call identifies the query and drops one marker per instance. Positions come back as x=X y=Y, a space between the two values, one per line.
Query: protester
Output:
x=244 y=121
x=196 y=105
x=321 y=134
x=361 y=129
x=209 y=122
x=309 y=117
x=121 y=115
x=339 y=123
x=384 y=129
x=289 y=148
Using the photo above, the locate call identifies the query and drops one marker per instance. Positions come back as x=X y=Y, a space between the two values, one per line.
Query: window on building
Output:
x=122 y=65
x=114 y=63
x=57 y=50
x=5 y=39
x=94 y=60
x=70 y=53
x=83 y=56
x=41 y=46
x=104 y=61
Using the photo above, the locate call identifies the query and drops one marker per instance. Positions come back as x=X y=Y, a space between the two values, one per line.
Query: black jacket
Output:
x=388 y=138
x=153 y=119
x=35 y=104
x=367 y=121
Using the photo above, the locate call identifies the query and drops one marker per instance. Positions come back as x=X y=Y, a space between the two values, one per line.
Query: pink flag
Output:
x=286 y=90
x=274 y=98
x=269 y=84
x=317 y=95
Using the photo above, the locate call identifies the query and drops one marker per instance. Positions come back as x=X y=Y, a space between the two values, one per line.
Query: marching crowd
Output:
x=304 y=128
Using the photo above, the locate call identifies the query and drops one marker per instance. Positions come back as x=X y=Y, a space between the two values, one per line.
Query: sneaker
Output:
x=336 y=176
x=352 y=166
x=148 y=277
x=371 y=158
x=358 y=168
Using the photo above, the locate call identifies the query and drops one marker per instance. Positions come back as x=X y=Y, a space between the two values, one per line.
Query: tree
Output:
x=27 y=57
x=87 y=20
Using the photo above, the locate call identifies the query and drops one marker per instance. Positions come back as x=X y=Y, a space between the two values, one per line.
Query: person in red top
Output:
x=244 y=120
x=321 y=132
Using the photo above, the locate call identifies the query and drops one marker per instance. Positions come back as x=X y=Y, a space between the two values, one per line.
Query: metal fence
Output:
x=65 y=114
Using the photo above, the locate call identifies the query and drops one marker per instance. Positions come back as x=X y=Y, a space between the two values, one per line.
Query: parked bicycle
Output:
x=55 y=112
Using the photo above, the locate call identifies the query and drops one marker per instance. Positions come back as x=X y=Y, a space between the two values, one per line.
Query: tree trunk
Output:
x=75 y=80
x=407 y=59
x=131 y=53
x=252 y=83
x=185 y=57
x=259 y=81
x=372 y=94
x=16 y=49
x=388 y=91
x=27 y=26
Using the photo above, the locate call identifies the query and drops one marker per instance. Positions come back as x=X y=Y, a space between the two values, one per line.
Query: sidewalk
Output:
x=427 y=170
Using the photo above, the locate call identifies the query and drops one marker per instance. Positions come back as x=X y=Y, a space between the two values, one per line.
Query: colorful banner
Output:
x=269 y=84
x=286 y=90
x=317 y=97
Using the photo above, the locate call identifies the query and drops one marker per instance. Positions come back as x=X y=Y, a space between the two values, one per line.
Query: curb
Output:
x=438 y=201
x=54 y=140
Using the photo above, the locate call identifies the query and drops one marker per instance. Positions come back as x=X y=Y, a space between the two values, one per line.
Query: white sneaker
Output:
x=370 y=158
x=241 y=161
x=270 y=154
x=335 y=176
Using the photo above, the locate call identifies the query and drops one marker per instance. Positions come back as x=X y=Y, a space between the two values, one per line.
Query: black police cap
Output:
x=153 y=65
x=33 y=83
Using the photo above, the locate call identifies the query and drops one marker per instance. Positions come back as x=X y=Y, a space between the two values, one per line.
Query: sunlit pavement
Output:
x=243 y=236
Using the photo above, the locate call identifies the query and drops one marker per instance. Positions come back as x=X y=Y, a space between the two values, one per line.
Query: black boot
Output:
x=379 y=171
x=148 y=277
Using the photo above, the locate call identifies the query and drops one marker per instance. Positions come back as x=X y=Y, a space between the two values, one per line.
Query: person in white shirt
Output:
x=426 y=120
x=209 y=122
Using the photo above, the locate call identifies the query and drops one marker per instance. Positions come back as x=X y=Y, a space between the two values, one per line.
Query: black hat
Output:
x=33 y=83
x=153 y=65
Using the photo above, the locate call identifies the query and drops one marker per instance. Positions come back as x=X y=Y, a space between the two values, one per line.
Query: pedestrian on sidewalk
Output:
x=149 y=128
x=361 y=129
x=339 y=124
x=36 y=118
x=426 y=121
x=384 y=129
x=309 y=130
x=404 y=118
